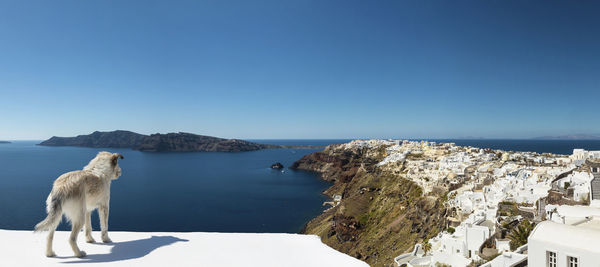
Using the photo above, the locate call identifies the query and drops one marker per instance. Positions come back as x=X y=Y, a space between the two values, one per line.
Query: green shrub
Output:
x=518 y=236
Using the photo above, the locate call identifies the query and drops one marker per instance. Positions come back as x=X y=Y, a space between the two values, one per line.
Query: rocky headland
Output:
x=380 y=214
x=170 y=142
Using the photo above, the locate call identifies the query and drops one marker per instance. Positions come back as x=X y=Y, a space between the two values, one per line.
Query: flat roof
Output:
x=148 y=249
x=591 y=224
x=578 y=211
x=585 y=238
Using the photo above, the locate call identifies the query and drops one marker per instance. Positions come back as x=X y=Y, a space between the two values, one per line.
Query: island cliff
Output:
x=171 y=142
x=380 y=214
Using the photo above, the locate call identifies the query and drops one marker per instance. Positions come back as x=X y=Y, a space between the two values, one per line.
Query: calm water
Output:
x=225 y=192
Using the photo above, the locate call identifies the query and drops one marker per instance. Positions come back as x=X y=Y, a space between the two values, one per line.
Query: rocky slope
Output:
x=171 y=142
x=381 y=215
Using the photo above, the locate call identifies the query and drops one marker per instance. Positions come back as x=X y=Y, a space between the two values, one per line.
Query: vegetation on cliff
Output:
x=382 y=215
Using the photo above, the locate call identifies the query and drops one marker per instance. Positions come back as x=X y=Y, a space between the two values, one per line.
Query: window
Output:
x=572 y=261
x=551 y=259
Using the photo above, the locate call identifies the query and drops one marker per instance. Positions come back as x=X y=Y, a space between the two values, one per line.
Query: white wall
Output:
x=502 y=245
x=454 y=246
x=537 y=254
x=476 y=235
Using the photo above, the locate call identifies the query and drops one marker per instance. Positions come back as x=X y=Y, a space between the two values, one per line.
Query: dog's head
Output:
x=114 y=161
x=107 y=164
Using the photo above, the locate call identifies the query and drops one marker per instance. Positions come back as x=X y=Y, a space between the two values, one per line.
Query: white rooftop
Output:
x=591 y=224
x=506 y=259
x=578 y=211
x=586 y=237
x=24 y=248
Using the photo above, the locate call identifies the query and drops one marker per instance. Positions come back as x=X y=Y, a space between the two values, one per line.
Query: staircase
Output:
x=596 y=186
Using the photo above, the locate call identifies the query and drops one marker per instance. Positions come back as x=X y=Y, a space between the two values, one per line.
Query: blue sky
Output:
x=300 y=69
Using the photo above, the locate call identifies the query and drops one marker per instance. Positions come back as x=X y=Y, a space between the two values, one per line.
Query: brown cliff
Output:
x=381 y=215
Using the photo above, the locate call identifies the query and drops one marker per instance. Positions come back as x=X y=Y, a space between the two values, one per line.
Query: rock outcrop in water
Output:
x=171 y=142
x=382 y=214
x=277 y=165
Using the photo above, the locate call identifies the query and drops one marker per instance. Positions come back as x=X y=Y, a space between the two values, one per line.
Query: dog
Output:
x=76 y=194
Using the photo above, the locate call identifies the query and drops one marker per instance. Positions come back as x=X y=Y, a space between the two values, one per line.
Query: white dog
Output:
x=77 y=194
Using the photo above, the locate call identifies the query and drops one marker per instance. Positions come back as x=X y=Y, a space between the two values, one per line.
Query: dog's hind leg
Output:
x=76 y=213
x=49 y=251
x=103 y=212
x=88 y=227
x=77 y=225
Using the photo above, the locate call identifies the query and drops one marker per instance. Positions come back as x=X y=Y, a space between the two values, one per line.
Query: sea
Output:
x=204 y=191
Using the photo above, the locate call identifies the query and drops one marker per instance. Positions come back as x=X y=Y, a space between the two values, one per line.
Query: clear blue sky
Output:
x=300 y=69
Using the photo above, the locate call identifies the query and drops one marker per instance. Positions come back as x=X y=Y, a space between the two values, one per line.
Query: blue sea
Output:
x=209 y=191
x=215 y=192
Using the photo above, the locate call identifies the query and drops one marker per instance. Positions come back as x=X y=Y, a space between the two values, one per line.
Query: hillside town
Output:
x=508 y=208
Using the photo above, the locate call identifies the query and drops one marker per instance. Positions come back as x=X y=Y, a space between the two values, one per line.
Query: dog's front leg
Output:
x=103 y=212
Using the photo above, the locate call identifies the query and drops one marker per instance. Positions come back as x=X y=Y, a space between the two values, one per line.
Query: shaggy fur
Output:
x=76 y=194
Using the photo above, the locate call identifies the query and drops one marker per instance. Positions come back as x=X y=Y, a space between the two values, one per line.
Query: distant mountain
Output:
x=570 y=137
x=116 y=139
x=4 y=142
x=171 y=142
x=470 y=138
x=187 y=142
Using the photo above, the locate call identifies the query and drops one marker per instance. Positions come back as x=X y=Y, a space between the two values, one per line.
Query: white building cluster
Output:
x=581 y=155
x=481 y=180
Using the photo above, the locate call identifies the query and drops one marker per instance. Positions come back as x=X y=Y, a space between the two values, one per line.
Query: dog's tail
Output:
x=54 y=206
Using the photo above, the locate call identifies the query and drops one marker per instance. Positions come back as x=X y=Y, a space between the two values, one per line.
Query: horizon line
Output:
x=395 y=138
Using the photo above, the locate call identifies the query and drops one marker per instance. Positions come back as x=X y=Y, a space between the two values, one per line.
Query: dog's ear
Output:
x=115 y=157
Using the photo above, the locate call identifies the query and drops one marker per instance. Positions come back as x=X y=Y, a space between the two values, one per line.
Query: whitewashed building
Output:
x=567 y=214
x=507 y=259
x=582 y=154
x=554 y=244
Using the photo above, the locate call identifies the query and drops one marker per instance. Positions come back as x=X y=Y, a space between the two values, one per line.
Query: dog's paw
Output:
x=106 y=240
x=81 y=254
x=90 y=239
x=50 y=254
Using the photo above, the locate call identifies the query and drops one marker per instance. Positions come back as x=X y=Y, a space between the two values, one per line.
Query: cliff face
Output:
x=171 y=142
x=381 y=215
x=186 y=142
x=116 y=139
